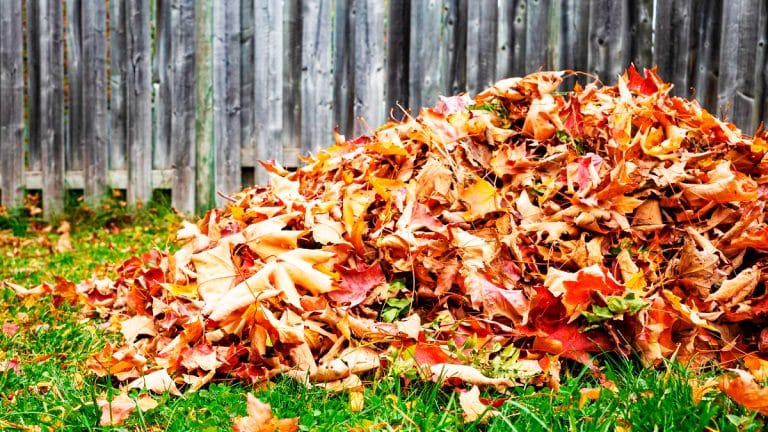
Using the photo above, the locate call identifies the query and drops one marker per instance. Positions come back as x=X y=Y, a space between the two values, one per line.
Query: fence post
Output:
x=316 y=74
x=673 y=43
x=12 y=106
x=608 y=50
x=205 y=195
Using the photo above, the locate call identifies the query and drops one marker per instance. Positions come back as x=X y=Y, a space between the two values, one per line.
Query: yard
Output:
x=45 y=343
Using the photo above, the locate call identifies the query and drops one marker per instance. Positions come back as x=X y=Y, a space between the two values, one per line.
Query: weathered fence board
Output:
x=226 y=97
x=182 y=77
x=268 y=84
x=239 y=81
x=138 y=90
x=46 y=100
x=204 y=189
x=93 y=78
x=738 y=85
x=12 y=106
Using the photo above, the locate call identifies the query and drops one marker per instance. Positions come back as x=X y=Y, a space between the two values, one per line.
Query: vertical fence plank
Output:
x=398 y=35
x=247 y=76
x=74 y=143
x=12 y=106
x=345 y=16
x=536 y=39
x=317 y=74
x=574 y=37
x=608 y=48
x=482 y=24
x=182 y=129
x=292 y=44
x=226 y=97
x=370 y=66
x=738 y=85
x=455 y=22
x=94 y=94
x=33 y=10
x=268 y=84
x=641 y=32
x=510 y=59
x=204 y=189
x=117 y=82
x=673 y=43
x=162 y=72
x=430 y=50
x=49 y=94
x=138 y=80
x=707 y=24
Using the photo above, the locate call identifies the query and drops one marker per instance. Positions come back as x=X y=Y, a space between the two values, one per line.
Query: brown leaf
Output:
x=261 y=419
x=115 y=411
x=743 y=389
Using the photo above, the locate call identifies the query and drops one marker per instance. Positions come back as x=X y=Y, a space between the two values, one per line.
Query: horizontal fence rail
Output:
x=188 y=95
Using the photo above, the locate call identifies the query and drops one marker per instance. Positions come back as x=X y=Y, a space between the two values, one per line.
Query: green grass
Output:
x=44 y=384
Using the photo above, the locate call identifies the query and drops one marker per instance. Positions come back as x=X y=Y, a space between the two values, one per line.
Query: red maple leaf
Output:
x=356 y=284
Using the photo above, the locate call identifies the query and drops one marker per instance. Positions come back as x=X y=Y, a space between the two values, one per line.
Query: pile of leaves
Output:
x=484 y=242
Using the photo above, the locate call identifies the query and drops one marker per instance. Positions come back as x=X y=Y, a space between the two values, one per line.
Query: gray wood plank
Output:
x=34 y=153
x=75 y=145
x=456 y=18
x=707 y=16
x=317 y=75
x=226 y=97
x=430 y=58
x=537 y=47
x=138 y=90
x=12 y=108
x=608 y=51
x=510 y=35
x=292 y=44
x=574 y=37
x=641 y=31
x=94 y=91
x=481 y=51
x=162 y=86
x=182 y=130
x=398 y=36
x=268 y=84
x=370 y=66
x=205 y=193
x=344 y=60
x=247 y=73
x=117 y=84
x=738 y=86
x=672 y=50
x=50 y=106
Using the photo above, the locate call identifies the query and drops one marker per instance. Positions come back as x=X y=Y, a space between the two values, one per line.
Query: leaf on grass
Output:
x=157 y=382
x=115 y=411
x=136 y=326
x=473 y=407
x=261 y=419
x=468 y=374
x=743 y=389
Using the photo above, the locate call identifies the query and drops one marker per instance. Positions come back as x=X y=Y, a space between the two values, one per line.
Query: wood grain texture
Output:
x=537 y=46
x=672 y=50
x=138 y=91
x=247 y=73
x=182 y=128
x=482 y=25
x=12 y=108
x=317 y=75
x=118 y=64
x=205 y=194
x=226 y=98
x=162 y=86
x=370 y=66
x=741 y=83
x=344 y=35
x=268 y=109
x=292 y=73
x=398 y=37
x=93 y=82
x=608 y=48
x=641 y=32
x=707 y=23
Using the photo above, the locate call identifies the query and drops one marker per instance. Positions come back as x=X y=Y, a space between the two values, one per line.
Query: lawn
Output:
x=45 y=343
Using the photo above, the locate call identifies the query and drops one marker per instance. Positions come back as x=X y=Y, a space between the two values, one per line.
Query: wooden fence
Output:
x=187 y=95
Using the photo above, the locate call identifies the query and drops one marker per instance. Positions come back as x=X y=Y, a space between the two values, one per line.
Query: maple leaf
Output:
x=481 y=198
x=743 y=389
x=115 y=411
x=473 y=407
x=356 y=284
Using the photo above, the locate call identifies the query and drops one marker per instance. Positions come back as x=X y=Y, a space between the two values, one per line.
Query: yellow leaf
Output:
x=480 y=198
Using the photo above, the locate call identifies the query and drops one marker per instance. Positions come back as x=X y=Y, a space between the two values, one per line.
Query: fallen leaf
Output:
x=261 y=419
